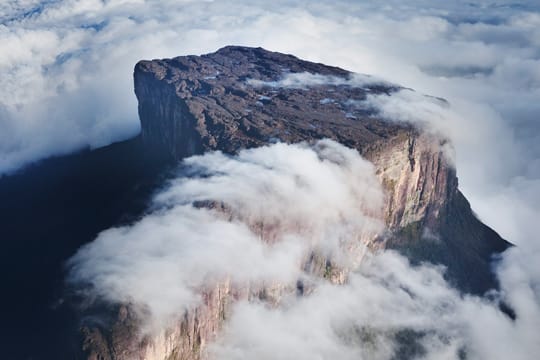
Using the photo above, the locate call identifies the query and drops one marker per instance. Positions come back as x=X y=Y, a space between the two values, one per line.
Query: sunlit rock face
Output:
x=240 y=98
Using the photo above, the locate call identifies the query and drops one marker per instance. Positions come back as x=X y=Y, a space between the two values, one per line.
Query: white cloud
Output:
x=306 y=80
x=323 y=197
x=361 y=320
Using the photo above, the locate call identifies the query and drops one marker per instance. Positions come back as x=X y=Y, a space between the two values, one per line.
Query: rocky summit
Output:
x=240 y=97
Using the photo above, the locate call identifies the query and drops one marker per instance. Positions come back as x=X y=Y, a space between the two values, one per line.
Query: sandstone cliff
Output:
x=246 y=97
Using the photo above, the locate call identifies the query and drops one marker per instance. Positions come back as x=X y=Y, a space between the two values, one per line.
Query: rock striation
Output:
x=241 y=97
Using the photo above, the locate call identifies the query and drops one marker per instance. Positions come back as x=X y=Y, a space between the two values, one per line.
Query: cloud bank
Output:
x=280 y=203
x=253 y=219
x=385 y=307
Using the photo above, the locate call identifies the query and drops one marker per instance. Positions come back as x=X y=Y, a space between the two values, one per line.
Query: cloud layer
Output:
x=280 y=203
x=385 y=305
x=253 y=220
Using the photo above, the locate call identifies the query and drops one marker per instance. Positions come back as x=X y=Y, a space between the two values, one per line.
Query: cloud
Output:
x=162 y=262
x=281 y=203
x=356 y=320
x=386 y=309
x=306 y=80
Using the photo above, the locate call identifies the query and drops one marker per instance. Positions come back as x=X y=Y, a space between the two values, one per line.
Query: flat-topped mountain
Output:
x=238 y=98
x=241 y=97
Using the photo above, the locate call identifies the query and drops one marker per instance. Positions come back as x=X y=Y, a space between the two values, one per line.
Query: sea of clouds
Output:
x=67 y=84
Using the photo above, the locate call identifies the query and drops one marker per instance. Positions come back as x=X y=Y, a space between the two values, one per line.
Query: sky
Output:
x=67 y=82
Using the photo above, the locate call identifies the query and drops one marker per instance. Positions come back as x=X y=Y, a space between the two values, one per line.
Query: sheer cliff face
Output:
x=240 y=98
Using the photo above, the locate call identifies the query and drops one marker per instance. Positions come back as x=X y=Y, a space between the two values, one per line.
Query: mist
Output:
x=280 y=204
x=385 y=305
x=253 y=219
